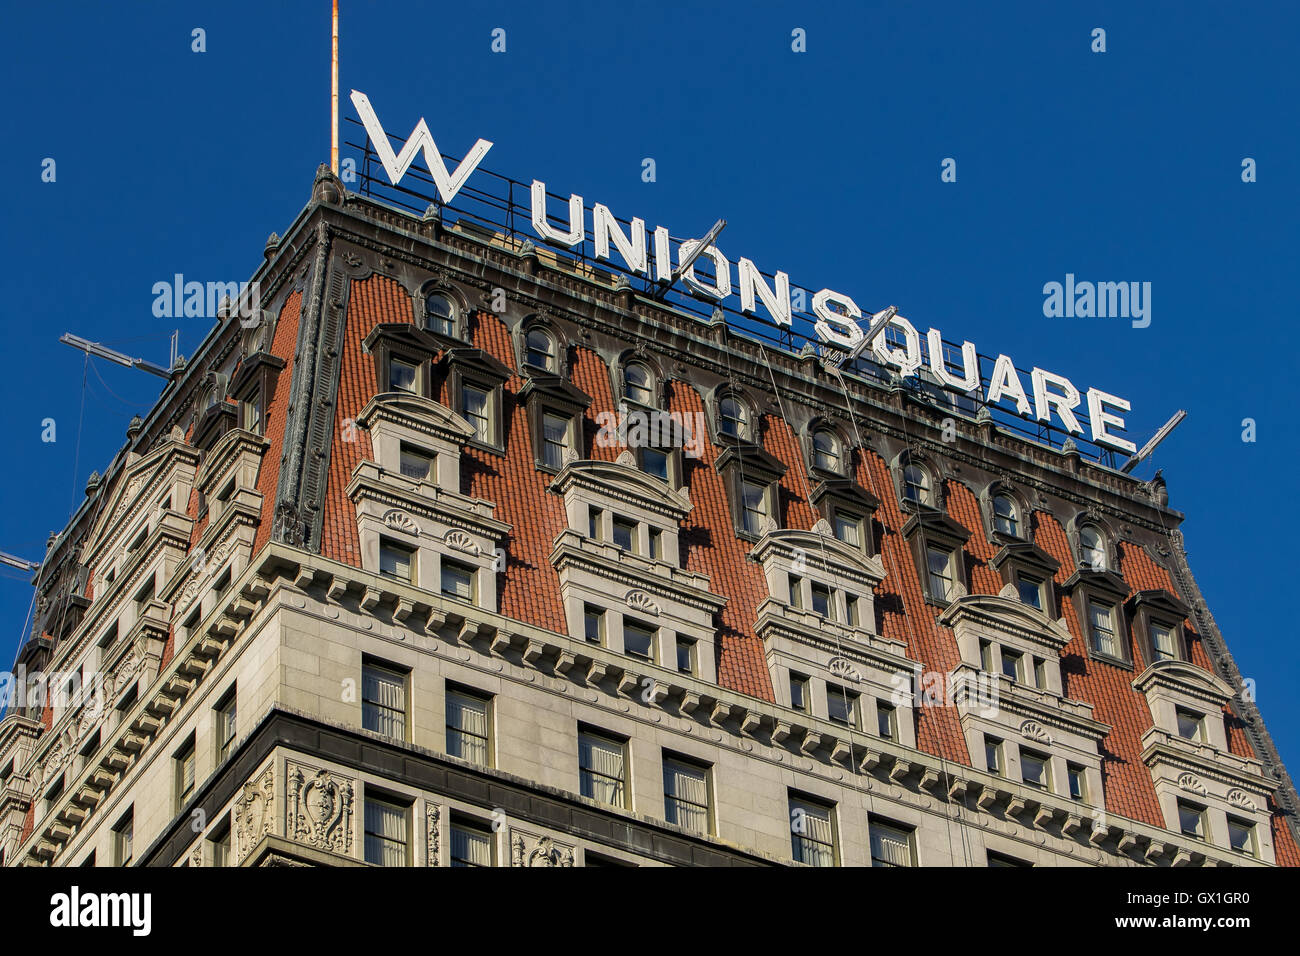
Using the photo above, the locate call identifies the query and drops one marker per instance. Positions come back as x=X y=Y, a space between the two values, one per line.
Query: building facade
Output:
x=467 y=553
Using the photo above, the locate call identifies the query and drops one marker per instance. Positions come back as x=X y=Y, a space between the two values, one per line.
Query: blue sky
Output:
x=1123 y=165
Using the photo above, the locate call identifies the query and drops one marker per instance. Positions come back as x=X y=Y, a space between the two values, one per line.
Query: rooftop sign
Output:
x=650 y=253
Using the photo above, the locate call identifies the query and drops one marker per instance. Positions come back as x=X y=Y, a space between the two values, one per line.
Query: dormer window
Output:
x=1163 y=643
x=654 y=462
x=416 y=463
x=555 y=439
x=1092 y=548
x=1158 y=624
x=1101 y=629
x=252 y=413
x=939 y=565
x=755 y=506
x=1191 y=725
x=916 y=485
x=733 y=418
x=403 y=376
x=848 y=528
x=1031 y=591
x=1005 y=516
x=539 y=350
x=476 y=408
x=827 y=451
x=638 y=384
x=440 y=314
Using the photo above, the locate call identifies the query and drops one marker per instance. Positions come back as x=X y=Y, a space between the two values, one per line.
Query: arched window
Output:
x=916 y=485
x=1092 y=548
x=826 y=450
x=1005 y=517
x=638 y=385
x=539 y=349
x=733 y=418
x=441 y=314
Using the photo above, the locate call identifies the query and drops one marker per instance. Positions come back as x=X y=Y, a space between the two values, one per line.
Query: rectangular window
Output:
x=812 y=831
x=1034 y=770
x=595 y=524
x=848 y=528
x=457 y=580
x=386 y=833
x=555 y=439
x=221 y=845
x=1078 y=781
x=799 y=692
x=656 y=544
x=396 y=561
x=686 y=794
x=796 y=591
x=625 y=534
x=654 y=462
x=1013 y=665
x=685 y=656
x=185 y=773
x=999 y=859
x=124 y=839
x=1040 y=673
x=822 y=601
x=842 y=706
x=886 y=721
x=986 y=656
x=1101 y=621
x=415 y=463
x=469 y=722
x=1191 y=819
x=1191 y=725
x=383 y=700
x=1241 y=836
x=1163 y=643
x=602 y=768
x=226 y=720
x=753 y=498
x=403 y=376
x=851 y=610
x=939 y=563
x=891 y=845
x=639 y=640
x=253 y=413
x=593 y=624
x=1031 y=591
x=993 y=755
x=471 y=844
x=475 y=405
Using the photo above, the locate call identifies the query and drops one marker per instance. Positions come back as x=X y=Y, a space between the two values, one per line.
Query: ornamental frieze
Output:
x=254 y=812
x=320 y=809
x=528 y=849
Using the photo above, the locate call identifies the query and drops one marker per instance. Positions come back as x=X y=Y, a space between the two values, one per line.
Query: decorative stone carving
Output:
x=1009 y=591
x=431 y=815
x=640 y=601
x=320 y=810
x=1239 y=798
x=545 y=851
x=1191 y=783
x=844 y=669
x=254 y=811
x=401 y=521
x=1036 y=731
x=460 y=541
x=196 y=855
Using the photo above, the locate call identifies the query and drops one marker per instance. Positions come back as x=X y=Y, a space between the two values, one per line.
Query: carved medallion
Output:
x=641 y=601
x=320 y=810
x=1191 y=783
x=401 y=521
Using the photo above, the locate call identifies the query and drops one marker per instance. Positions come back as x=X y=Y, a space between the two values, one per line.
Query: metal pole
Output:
x=334 y=94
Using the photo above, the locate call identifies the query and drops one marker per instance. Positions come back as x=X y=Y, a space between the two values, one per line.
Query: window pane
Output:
x=467 y=727
x=636 y=384
x=798 y=692
x=1190 y=819
x=457 y=580
x=1031 y=592
x=1033 y=769
x=890 y=846
x=685 y=656
x=401 y=376
x=1004 y=516
x=415 y=464
x=1241 y=836
x=540 y=350
x=886 y=719
x=1190 y=725
x=474 y=402
x=848 y=529
x=470 y=846
x=593 y=624
x=1103 y=629
x=396 y=561
x=555 y=439
x=754 y=502
x=940 y=563
x=600 y=769
x=812 y=834
x=638 y=640
x=993 y=755
x=624 y=534
x=686 y=795
x=733 y=418
x=842 y=706
x=655 y=462
x=383 y=701
x=1162 y=642
x=385 y=834
x=821 y=600
x=826 y=451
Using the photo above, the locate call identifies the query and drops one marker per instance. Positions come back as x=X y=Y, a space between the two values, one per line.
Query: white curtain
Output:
x=687 y=789
x=467 y=728
x=470 y=847
x=602 y=763
x=385 y=834
x=385 y=697
x=813 y=835
x=890 y=847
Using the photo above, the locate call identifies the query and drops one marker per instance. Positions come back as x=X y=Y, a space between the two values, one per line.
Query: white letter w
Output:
x=421 y=139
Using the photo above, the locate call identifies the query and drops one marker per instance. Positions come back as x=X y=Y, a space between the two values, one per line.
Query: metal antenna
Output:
x=121 y=358
x=1150 y=446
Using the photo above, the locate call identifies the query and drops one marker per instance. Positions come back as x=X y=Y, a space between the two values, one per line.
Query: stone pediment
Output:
x=137 y=477
x=621 y=479
x=418 y=412
x=1002 y=612
x=1184 y=677
x=820 y=548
